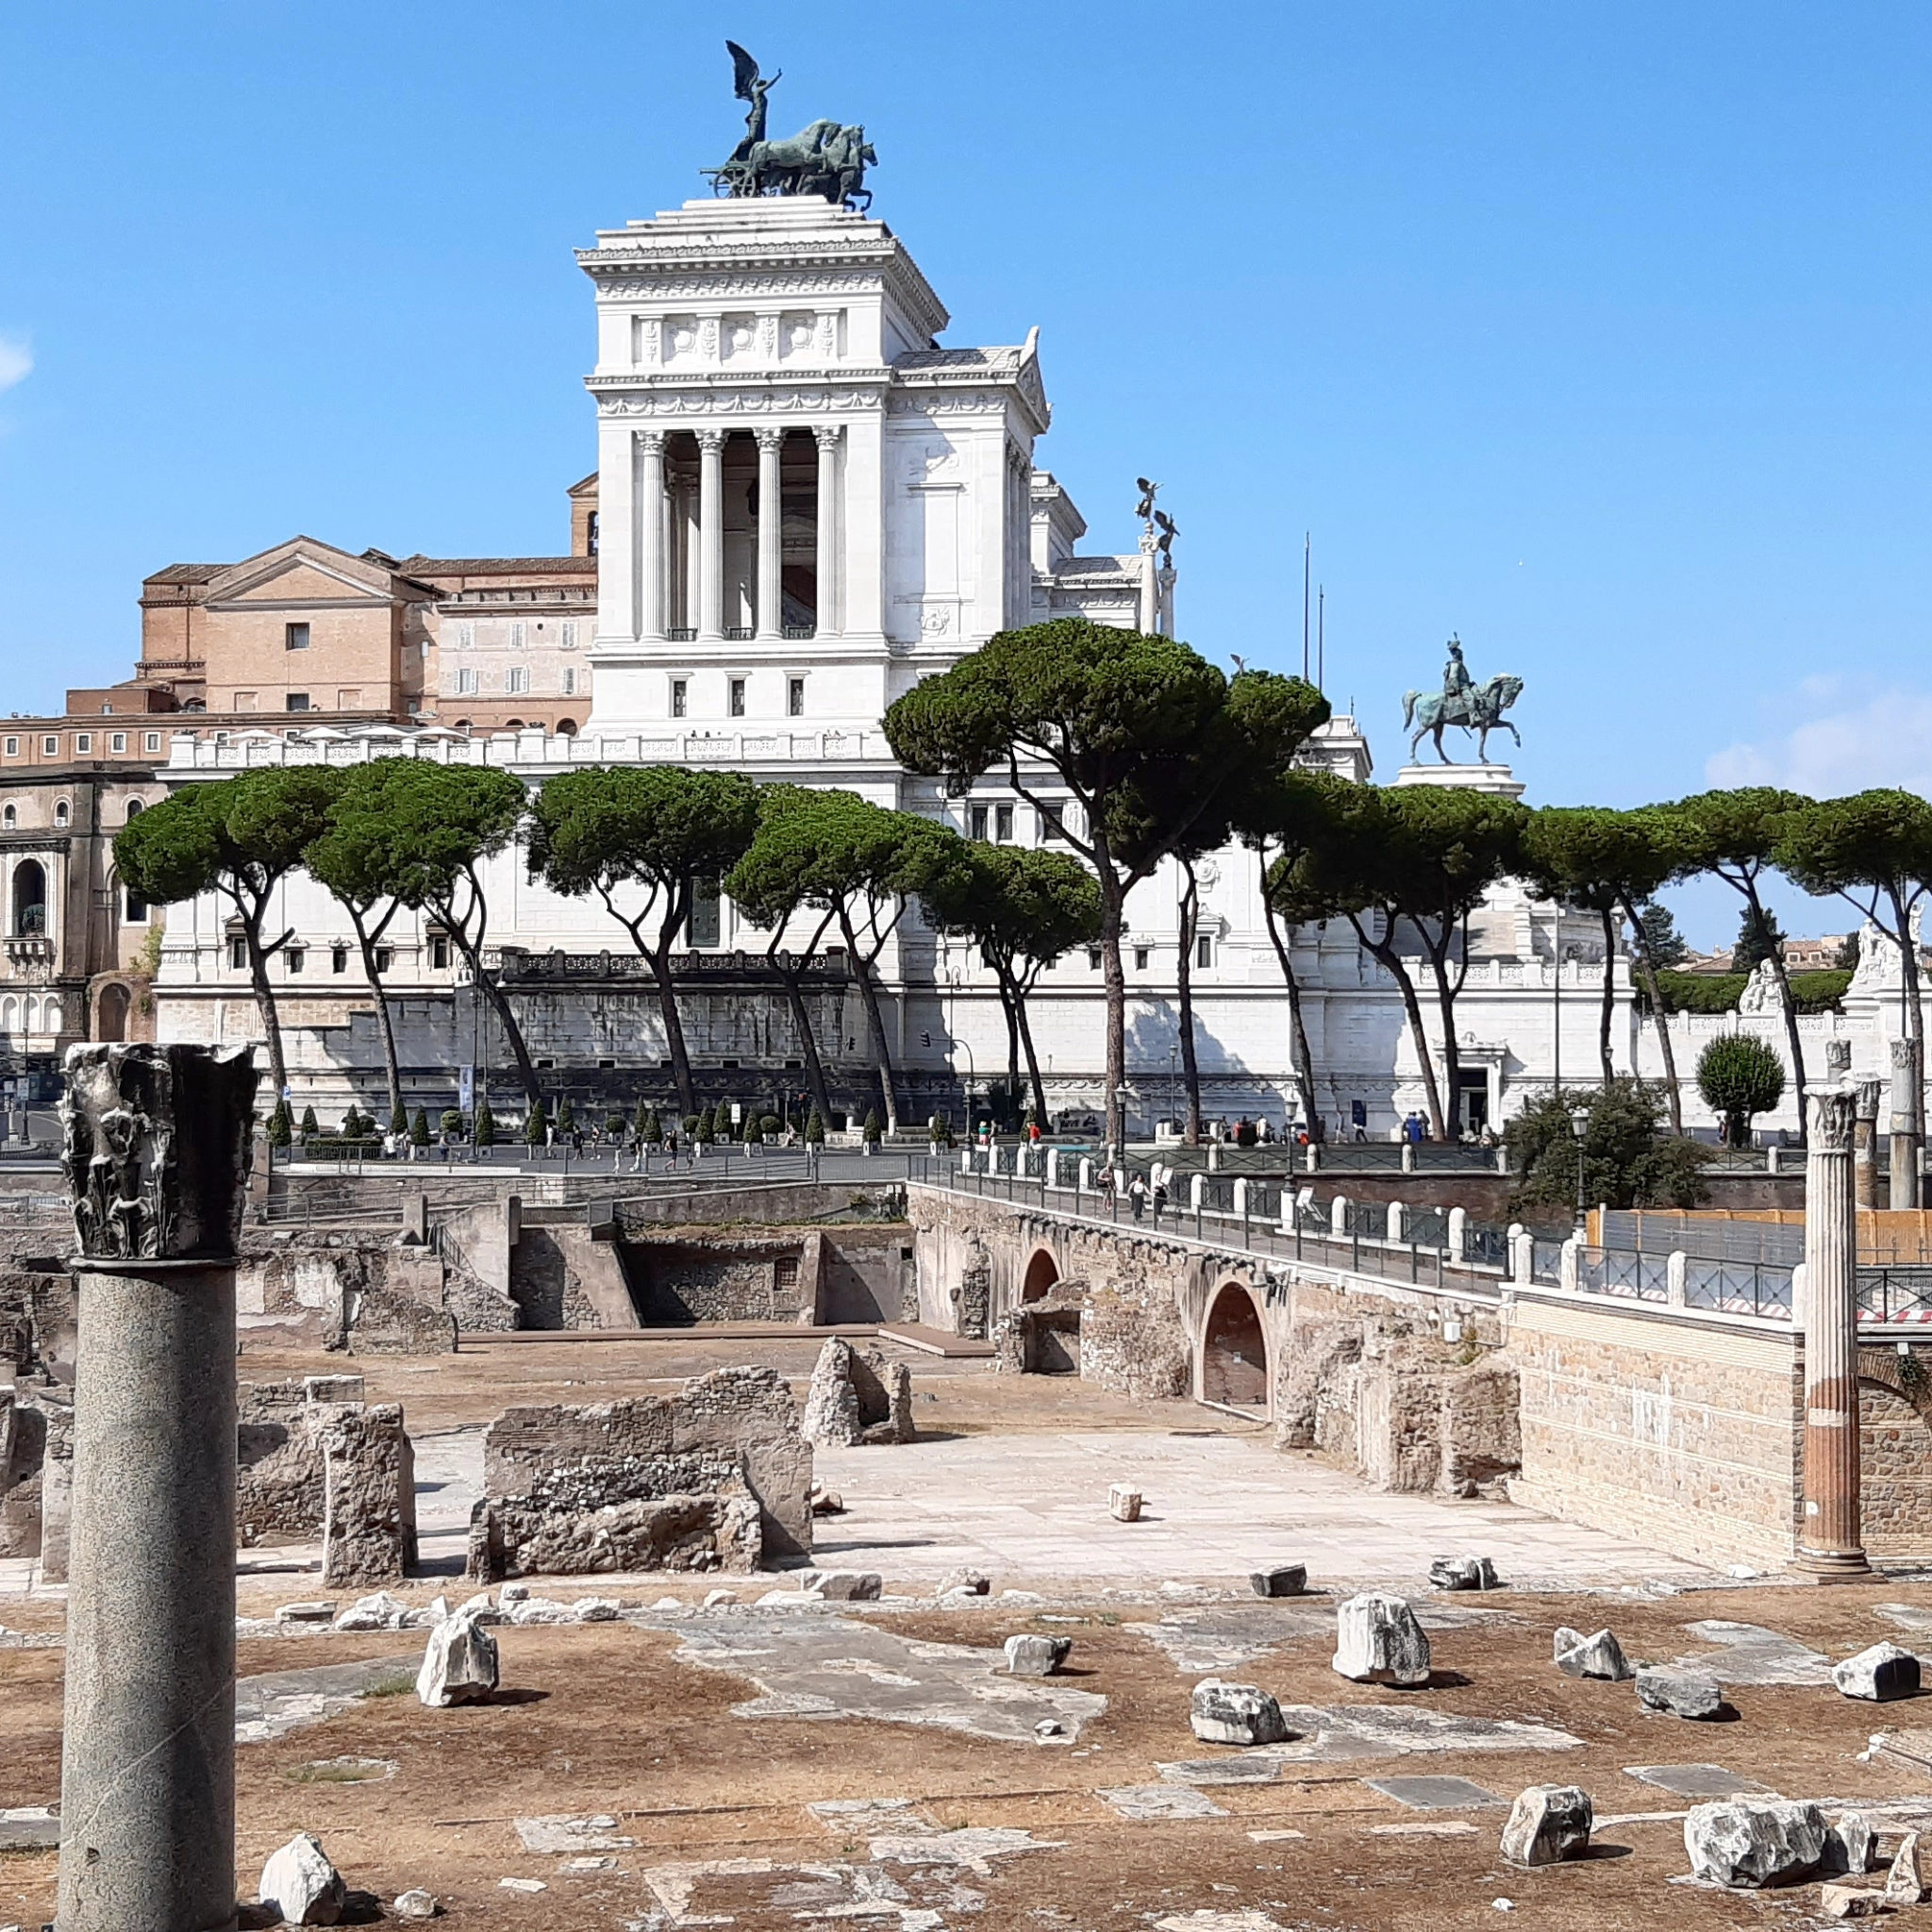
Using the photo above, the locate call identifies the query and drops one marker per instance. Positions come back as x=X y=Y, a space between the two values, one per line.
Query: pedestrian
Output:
x=1136 y=1195
x=1159 y=1198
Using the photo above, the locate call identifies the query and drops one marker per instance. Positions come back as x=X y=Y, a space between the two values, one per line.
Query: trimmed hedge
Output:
x=1718 y=993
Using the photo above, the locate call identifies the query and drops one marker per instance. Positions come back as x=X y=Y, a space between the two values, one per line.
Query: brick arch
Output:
x=1234 y=1349
x=1880 y=1367
x=1042 y=1273
x=1895 y=1458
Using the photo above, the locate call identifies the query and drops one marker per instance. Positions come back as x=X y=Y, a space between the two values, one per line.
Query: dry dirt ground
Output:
x=707 y=1807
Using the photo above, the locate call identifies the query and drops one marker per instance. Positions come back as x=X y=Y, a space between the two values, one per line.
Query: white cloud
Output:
x=16 y=360
x=1883 y=740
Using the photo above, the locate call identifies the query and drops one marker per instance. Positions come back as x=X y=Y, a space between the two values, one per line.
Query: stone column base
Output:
x=1831 y=1566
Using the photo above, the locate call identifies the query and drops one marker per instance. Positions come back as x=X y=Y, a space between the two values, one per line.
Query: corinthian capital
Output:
x=1833 y=1115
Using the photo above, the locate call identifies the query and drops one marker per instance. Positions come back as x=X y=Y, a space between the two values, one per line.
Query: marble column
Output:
x=771 y=529
x=1865 y=1147
x=826 y=515
x=1830 y=1544
x=651 y=547
x=1907 y=1071
x=710 y=536
x=158 y=1141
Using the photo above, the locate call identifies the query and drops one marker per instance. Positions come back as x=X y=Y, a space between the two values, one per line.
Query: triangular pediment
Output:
x=302 y=571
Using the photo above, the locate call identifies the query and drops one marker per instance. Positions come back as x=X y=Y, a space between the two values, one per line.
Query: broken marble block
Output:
x=1464 y=1573
x=301 y=1884
x=415 y=1904
x=1284 y=1579
x=1548 y=1825
x=848 y=1586
x=460 y=1665
x=381 y=1611
x=1377 y=1641
x=1683 y=1693
x=1123 y=1502
x=1601 y=1656
x=1910 y=1877
x=1754 y=1842
x=1880 y=1675
x=1852 y=1901
x=964 y=1582
x=1848 y=1841
x=1036 y=1656
x=1235 y=1714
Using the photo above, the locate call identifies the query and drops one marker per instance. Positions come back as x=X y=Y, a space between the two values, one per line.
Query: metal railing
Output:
x=1896 y=1294
x=1737 y=1288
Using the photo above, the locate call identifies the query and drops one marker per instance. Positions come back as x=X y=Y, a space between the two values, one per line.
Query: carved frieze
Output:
x=157 y=1146
x=750 y=402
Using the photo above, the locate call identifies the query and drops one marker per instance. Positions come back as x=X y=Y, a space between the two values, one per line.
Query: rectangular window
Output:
x=238 y=953
x=295 y=701
x=349 y=700
x=518 y=635
x=134 y=909
x=1093 y=958
x=975 y=821
x=1051 y=824
x=569 y=682
x=296 y=958
x=152 y=741
x=1003 y=823
x=439 y=951
x=1203 y=950
x=244 y=701
x=680 y=692
x=13 y=747
x=1141 y=958
x=738 y=697
x=296 y=636
x=707 y=923
x=117 y=740
x=50 y=747
x=466 y=682
x=516 y=680
x=794 y=697
x=466 y=636
x=83 y=741
x=569 y=638
x=383 y=956
x=339 y=959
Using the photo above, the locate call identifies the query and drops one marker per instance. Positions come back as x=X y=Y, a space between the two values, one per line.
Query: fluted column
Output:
x=1907 y=1072
x=826 y=527
x=1831 y=1539
x=1865 y=1147
x=650 y=514
x=771 y=518
x=710 y=536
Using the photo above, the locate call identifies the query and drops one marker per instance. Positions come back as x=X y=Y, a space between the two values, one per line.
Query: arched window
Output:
x=110 y=1013
x=30 y=1013
x=10 y=818
x=566 y=727
x=135 y=808
x=133 y=908
x=61 y=814
x=50 y=1016
x=10 y=1015
x=29 y=899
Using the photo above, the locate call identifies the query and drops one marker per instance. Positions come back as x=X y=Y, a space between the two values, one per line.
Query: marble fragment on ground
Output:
x=562 y=1835
x=1750 y=1654
x=1753 y=1843
x=1696 y=1780
x=1377 y=1641
x=1358 y=1732
x=1435 y=1793
x=1225 y=1636
x=1881 y=1674
x=275 y=1703
x=827 y=1666
x=1548 y=1825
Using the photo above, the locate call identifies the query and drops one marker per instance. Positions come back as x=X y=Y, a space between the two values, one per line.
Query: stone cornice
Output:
x=747 y=400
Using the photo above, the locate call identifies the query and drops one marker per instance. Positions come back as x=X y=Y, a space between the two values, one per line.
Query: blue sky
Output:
x=1595 y=334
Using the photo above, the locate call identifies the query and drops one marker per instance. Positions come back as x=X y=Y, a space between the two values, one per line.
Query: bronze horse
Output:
x=1431 y=711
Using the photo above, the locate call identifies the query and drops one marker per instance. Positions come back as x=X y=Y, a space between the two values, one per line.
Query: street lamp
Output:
x=1579 y=1126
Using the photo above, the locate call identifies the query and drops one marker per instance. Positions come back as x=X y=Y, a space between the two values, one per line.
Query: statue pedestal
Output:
x=1496 y=778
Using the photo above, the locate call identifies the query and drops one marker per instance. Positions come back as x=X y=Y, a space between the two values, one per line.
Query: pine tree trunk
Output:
x=265 y=1004
x=1184 y=984
x=1792 y=1041
x=1384 y=952
x=1032 y=1058
x=1647 y=966
x=383 y=1018
x=1115 y=980
x=882 y=1052
x=1304 y=1057
x=1604 y=1016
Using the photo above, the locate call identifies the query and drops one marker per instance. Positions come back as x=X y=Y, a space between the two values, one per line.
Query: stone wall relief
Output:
x=646 y=339
x=679 y=336
x=738 y=337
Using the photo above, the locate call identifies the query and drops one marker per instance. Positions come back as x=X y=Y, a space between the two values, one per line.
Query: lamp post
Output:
x=1579 y=1126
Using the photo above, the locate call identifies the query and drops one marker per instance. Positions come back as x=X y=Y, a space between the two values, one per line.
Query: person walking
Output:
x=1136 y=1195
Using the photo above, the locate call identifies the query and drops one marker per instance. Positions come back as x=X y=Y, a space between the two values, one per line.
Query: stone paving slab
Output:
x=276 y=1701
x=1434 y=1793
x=1141 y=1804
x=1695 y=1780
x=1750 y=1654
x=1225 y=1638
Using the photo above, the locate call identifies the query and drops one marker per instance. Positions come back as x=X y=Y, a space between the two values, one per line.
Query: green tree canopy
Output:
x=1627 y=1158
x=640 y=837
x=1740 y=1077
x=1759 y=938
x=237 y=838
x=1118 y=719
x=1025 y=909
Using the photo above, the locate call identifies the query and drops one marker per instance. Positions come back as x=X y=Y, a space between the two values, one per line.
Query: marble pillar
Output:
x=710 y=536
x=1865 y=1146
x=1907 y=1072
x=827 y=436
x=1829 y=1534
x=770 y=626
x=651 y=546
x=156 y=1158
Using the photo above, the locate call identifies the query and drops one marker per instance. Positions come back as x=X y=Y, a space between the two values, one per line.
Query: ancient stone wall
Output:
x=369 y=1507
x=357 y=1290
x=1684 y=1431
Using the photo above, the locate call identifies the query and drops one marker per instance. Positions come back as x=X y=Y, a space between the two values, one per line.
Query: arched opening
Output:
x=61 y=813
x=514 y=724
x=1042 y=1272
x=135 y=808
x=10 y=1015
x=1234 y=1357
x=29 y=899
x=566 y=727
x=110 y=1013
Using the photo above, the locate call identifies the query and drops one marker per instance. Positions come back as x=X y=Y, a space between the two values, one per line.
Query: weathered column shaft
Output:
x=156 y=1158
x=711 y=535
x=1830 y=1537
x=771 y=602
x=650 y=546
x=1865 y=1147
x=1907 y=1069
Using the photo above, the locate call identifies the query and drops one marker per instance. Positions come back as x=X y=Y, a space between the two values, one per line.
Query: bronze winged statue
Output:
x=1144 y=508
x=827 y=159
x=750 y=85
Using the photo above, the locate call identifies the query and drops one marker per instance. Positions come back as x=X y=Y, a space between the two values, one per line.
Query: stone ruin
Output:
x=857 y=1396
x=714 y=1477
x=1042 y=1336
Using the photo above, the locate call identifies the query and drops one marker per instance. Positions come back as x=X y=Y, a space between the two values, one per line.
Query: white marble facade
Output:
x=806 y=504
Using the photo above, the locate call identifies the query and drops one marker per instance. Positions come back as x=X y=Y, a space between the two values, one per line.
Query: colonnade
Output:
x=665 y=559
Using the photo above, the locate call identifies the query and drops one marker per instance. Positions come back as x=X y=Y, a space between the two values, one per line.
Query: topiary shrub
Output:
x=453 y=1123
x=754 y=1133
x=815 y=1129
x=769 y=1124
x=1740 y=1077
x=566 y=1116
x=309 y=1127
x=650 y=1128
x=537 y=1124
x=872 y=1132
x=419 y=1129
x=705 y=1126
x=281 y=1125
x=616 y=1122
x=486 y=1124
